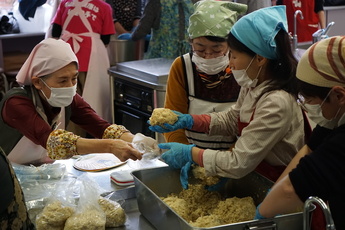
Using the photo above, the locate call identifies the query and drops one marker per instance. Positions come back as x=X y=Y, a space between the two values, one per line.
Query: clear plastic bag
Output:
x=147 y=146
x=115 y=214
x=39 y=182
x=89 y=214
x=58 y=207
x=43 y=172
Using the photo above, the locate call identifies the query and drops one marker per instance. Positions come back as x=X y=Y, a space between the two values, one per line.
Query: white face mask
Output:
x=243 y=79
x=315 y=114
x=60 y=97
x=211 y=66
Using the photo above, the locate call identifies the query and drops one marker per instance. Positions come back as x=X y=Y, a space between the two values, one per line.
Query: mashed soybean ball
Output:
x=161 y=115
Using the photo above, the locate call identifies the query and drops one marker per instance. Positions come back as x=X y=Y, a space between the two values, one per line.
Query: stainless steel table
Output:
x=135 y=221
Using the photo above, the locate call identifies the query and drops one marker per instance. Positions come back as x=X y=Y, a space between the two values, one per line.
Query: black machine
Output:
x=138 y=87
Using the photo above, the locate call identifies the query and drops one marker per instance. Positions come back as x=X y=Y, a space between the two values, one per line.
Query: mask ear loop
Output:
x=324 y=100
x=255 y=80
x=337 y=113
x=47 y=87
x=250 y=63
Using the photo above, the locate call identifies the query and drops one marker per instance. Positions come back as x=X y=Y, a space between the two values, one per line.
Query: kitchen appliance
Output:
x=138 y=87
x=151 y=184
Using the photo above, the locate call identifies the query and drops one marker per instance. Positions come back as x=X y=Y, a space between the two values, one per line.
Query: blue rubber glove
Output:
x=148 y=37
x=258 y=216
x=125 y=36
x=178 y=154
x=218 y=186
x=184 y=175
x=184 y=121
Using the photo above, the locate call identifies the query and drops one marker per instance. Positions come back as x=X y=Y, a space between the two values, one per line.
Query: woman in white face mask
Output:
x=201 y=81
x=266 y=117
x=318 y=169
x=34 y=117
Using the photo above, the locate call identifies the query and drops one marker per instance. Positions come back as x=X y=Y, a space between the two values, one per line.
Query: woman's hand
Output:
x=124 y=150
x=120 y=148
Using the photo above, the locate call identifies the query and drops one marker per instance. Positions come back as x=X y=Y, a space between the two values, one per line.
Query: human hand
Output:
x=184 y=121
x=184 y=175
x=125 y=36
x=124 y=150
x=218 y=186
x=146 y=145
x=178 y=154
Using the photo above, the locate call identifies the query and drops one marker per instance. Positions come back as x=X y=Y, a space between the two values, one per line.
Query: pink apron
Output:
x=96 y=91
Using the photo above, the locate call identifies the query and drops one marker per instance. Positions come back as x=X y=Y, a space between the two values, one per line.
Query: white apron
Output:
x=200 y=106
x=27 y=152
x=96 y=91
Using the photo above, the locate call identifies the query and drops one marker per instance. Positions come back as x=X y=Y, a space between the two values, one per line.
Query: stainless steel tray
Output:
x=150 y=184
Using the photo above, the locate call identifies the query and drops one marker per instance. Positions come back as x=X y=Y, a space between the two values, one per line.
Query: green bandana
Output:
x=214 y=18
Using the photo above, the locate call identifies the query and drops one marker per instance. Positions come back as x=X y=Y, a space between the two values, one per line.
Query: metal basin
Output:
x=151 y=184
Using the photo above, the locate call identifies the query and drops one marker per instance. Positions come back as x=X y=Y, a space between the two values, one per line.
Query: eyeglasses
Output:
x=301 y=102
x=215 y=53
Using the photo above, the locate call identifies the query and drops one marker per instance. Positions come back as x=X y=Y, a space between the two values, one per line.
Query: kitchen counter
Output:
x=135 y=221
x=18 y=43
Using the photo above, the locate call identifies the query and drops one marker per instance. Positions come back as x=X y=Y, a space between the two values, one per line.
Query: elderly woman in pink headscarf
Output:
x=34 y=116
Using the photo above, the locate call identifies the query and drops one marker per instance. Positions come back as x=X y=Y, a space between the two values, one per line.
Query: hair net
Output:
x=46 y=57
x=323 y=64
x=258 y=30
x=214 y=18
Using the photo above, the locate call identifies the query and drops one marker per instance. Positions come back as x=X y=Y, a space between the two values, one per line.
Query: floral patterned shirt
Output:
x=169 y=27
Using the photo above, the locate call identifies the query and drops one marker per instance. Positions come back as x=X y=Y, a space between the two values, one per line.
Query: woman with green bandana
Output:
x=201 y=81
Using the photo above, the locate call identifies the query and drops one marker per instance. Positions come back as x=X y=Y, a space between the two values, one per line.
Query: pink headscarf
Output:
x=46 y=57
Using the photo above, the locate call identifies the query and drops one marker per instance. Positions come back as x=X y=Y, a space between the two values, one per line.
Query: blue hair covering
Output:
x=258 y=29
